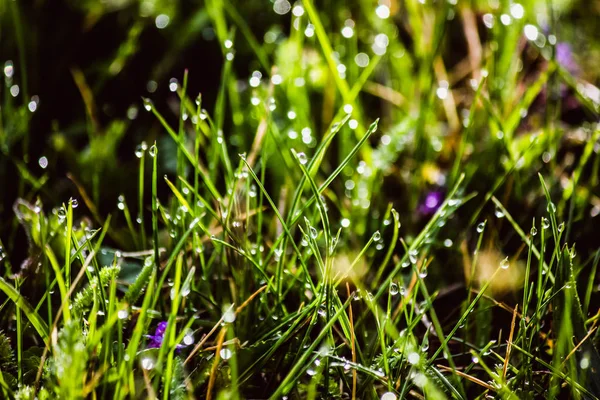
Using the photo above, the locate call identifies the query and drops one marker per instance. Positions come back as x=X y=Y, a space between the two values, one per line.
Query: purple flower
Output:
x=432 y=201
x=564 y=56
x=156 y=340
x=159 y=334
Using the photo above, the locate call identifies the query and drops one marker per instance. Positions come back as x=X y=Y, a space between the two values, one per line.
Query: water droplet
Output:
x=533 y=231
x=377 y=236
x=123 y=314
x=412 y=256
x=475 y=359
x=551 y=208
x=561 y=227
x=504 y=264
x=388 y=396
x=229 y=315
x=188 y=339
x=140 y=149
x=414 y=358
x=311 y=372
x=62 y=214
x=302 y=158
x=225 y=353
x=545 y=223
x=394 y=289
x=448 y=243
x=585 y=362
x=498 y=212
x=313 y=232
x=74 y=203
x=43 y=162
x=153 y=150
x=147 y=363
x=480 y=227
x=148 y=104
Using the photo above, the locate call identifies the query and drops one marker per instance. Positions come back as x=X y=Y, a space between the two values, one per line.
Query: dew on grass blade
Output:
x=533 y=231
x=377 y=236
x=140 y=149
x=229 y=315
x=412 y=255
x=551 y=208
x=74 y=203
x=225 y=353
x=498 y=212
x=414 y=358
x=504 y=264
x=62 y=214
x=188 y=339
x=561 y=227
x=147 y=363
x=302 y=158
x=480 y=227
x=394 y=288
x=388 y=396
x=313 y=232
x=153 y=150
x=148 y=105
x=123 y=314
x=121 y=202
x=545 y=223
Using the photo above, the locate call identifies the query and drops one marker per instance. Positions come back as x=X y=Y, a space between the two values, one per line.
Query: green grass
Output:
x=282 y=233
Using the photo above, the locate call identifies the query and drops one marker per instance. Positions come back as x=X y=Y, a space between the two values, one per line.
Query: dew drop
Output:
x=545 y=223
x=62 y=214
x=313 y=232
x=225 y=354
x=153 y=150
x=302 y=158
x=394 y=289
x=139 y=150
x=388 y=396
x=504 y=263
x=533 y=231
x=147 y=363
x=377 y=236
x=498 y=212
x=414 y=358
x=561 y=227
x=229 y=315
x=148 y=104
x=480 y=227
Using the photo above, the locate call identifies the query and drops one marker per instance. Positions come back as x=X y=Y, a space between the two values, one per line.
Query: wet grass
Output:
x=384 y=208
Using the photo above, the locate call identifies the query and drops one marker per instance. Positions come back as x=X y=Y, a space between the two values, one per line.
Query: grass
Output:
x=384 y=208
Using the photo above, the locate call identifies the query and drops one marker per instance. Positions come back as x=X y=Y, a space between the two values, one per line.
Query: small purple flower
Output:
x=564 y=56
x=156 y=340
x=432 y=201
x=159 y=334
